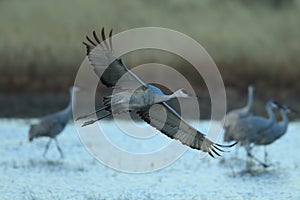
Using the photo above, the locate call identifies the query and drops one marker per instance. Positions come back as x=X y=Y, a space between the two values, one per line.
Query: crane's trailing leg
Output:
x=94 y=120
x=58 y=148
x=87 y=115
x=266 y=154
x=257 y=160
x=47 y=147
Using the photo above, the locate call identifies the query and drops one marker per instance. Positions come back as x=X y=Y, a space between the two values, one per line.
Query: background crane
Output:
x=276 y=131
x=53 y=124
x=246 y=130
x=233 y=116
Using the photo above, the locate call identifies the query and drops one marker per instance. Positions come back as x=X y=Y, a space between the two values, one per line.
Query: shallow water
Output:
x=25 y=174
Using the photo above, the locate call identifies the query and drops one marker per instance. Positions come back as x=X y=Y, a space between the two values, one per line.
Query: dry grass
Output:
x=250 y=43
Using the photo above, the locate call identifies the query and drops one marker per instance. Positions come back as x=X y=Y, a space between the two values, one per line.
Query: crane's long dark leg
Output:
x=249 y=155
x=248 y=151
x=47 y=147
x=257 y=160
x=94 y=120
x=237 y=151
x=266 y=154
x=87 y=115
x=58 y=148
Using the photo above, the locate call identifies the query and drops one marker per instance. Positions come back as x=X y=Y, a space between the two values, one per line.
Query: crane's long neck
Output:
x=249 y=105
x=271 y=119
x=68 y=109
x=164 y=97
x=285 y=121
x=168 y=97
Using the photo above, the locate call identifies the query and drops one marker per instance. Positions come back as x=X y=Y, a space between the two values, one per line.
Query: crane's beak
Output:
x=293 y=110
x=284 y=107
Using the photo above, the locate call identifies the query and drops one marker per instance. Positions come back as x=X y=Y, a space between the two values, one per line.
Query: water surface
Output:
x=25 y=174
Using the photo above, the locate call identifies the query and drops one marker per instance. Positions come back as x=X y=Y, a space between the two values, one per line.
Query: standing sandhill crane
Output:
x=100 y=55
x=276 y=131
x=233 y=116
x=53 y=124
x=248 y=129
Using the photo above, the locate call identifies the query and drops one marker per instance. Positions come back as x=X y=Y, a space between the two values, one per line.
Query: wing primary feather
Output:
x=88 y=48
x=215 y=151
x=110 y=39
x=96 y=37
x=91 y=41
x=86 y=44
x=219 y=149
x=226 y=146
x=104 y=38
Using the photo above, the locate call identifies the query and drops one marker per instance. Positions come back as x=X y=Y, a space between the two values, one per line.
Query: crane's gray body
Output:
x=246 y=130
x=51 y=125
x=275 y=132
x=129 y=100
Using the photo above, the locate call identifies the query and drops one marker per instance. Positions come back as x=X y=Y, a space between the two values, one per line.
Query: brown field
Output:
x=251 y=43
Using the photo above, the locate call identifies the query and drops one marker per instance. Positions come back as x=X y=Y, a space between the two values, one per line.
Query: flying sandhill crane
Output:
x=248 y=129
x=276 y=131
x=233 y=116
x=100 y=55
x=53 y=124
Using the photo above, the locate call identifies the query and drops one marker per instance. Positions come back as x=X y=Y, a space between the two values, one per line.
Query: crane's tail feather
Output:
x=89 y=114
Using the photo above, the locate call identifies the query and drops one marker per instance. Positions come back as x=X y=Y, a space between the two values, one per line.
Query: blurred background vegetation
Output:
x=252 y=42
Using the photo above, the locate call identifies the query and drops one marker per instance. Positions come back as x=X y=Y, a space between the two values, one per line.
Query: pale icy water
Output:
x=25 y=174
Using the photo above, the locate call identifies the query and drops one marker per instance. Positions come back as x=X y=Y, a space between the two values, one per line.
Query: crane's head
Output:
x=32 y=132
x=250 y=89
x=273 y=104
x=182 y=93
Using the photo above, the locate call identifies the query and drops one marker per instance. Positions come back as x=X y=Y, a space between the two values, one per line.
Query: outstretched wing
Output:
x=175 y=127
x=108 y=67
